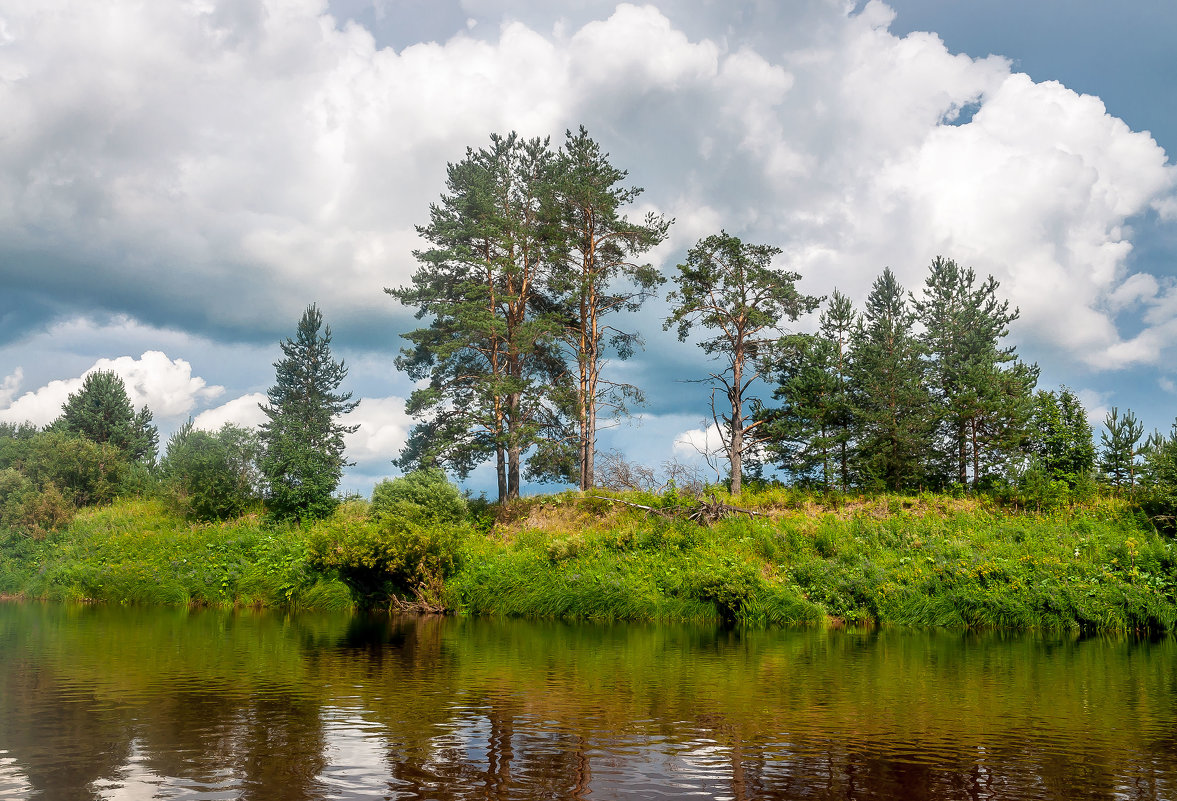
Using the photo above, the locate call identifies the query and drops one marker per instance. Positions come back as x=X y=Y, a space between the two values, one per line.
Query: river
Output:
x=134 y=703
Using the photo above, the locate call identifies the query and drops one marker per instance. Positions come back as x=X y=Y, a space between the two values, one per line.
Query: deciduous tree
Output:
x=212 y=476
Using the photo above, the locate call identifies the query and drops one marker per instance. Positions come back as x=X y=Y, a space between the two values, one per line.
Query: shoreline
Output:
x=923 y=561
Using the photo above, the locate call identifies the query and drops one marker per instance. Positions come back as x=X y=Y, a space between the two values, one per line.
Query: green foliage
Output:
x=212 y=476
x=387 y=557
x=302 y=460
x=101 y=412
x=83 y=471
x=136 y=552
x=731 y=289
x=1120 y=449
x=422 y=497
x=1061 y=438
x=1159 y=479
x=888 y=376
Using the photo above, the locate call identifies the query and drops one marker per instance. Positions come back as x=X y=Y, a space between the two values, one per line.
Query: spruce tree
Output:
x=891 y=400
x=810 y=435
x=799 y=434
x=302 y=460
x=731 y=288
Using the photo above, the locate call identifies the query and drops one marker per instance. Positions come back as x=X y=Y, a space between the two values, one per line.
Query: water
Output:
x=110 y=703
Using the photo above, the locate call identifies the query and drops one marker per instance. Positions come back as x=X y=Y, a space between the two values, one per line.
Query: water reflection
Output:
x=133 y=703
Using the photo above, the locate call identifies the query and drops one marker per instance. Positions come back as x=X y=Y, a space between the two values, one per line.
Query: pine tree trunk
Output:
x=590 y=453
x=962 y=454
x=736 y=444
x=501 y=471
x=976 y=452
x=514 y=452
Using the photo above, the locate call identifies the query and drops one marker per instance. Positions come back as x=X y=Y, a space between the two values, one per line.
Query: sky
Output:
x=179 y=180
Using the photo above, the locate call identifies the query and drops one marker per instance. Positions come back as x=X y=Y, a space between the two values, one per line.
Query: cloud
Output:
x=243 y=411
x=165 y=386
x=699 y=441
x=1096 y=404
x=10 y=386
x=383 y=424
x=243 y=160
x=250 y=151
x=383 y=428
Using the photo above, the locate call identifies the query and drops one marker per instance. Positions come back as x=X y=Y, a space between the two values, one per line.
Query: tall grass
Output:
x=913 y=560
x=137 y=552
x=926 y=560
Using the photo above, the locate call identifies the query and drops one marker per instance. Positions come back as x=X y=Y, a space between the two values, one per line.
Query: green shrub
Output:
x=212 y=476
x=422 y=497
x=388 y=557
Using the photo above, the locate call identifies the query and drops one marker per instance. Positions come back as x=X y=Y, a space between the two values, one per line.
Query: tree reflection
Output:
x=250 y=705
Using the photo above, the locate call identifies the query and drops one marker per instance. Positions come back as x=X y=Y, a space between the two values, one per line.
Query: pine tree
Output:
x=101 y=412
x=302 y=460
x=984 y=394
x=488 y=353
x=1120 y=448
x=731 y=288
x=600 y=277
x=888 y=375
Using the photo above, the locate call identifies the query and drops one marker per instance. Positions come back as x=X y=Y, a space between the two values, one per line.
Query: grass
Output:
x=136 y=552
x=924 y=560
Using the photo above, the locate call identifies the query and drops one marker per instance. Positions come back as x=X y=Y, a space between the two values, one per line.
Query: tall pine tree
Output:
x=983 y=393
x=302 y=460
x=731 y=288
x=489 y=353
x=891 y=400
x=600 y=276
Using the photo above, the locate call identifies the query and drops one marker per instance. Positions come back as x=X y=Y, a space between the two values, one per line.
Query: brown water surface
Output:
x=113 y=703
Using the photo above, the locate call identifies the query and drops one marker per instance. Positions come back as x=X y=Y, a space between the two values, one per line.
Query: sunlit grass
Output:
x=922 y=560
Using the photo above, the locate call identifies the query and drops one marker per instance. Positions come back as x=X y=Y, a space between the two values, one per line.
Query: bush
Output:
x=424 y=497
x=212 y=476
x=388 y=557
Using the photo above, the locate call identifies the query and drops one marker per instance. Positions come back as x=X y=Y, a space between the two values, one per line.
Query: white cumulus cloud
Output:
x=383 y=428
x=164 y=385
x=243 y=411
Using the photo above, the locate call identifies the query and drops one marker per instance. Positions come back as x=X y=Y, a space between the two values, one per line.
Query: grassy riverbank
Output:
x=925 y=561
